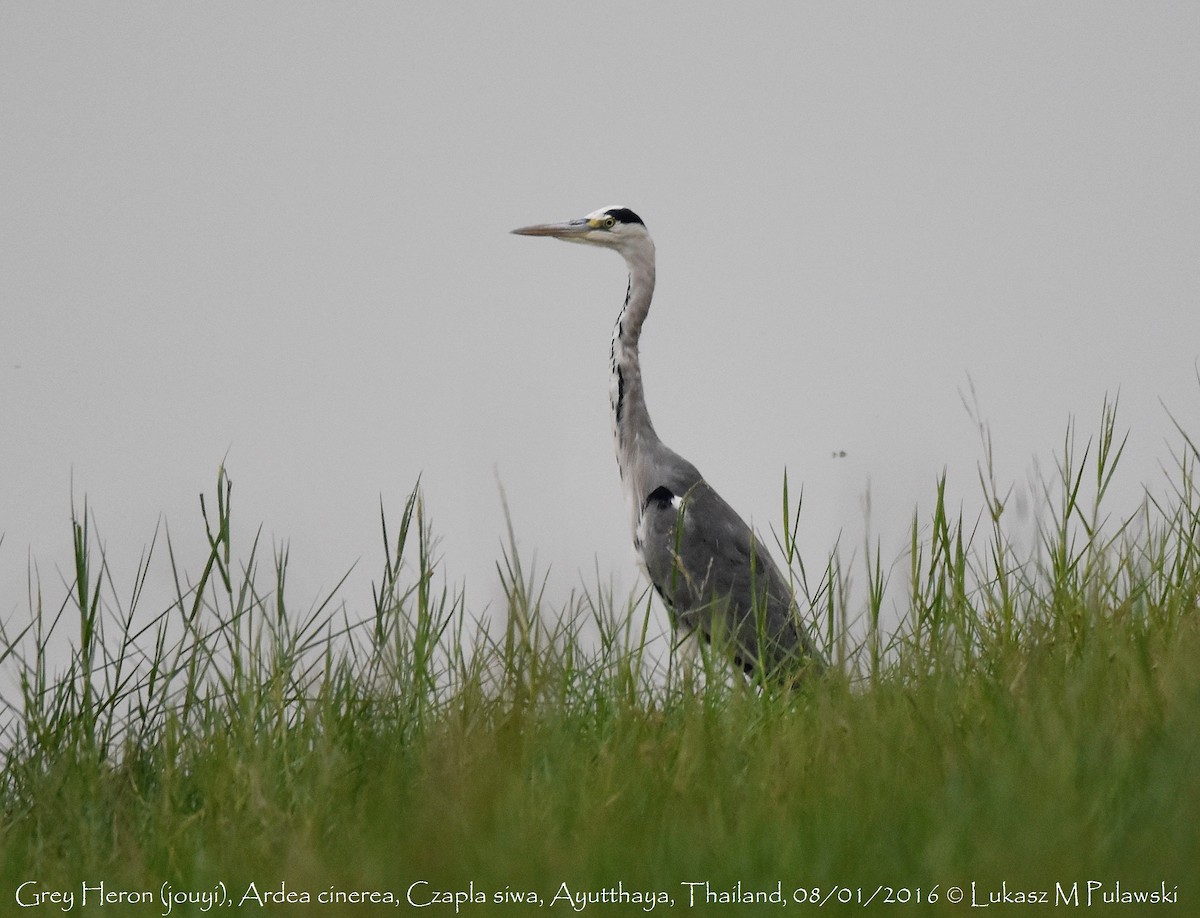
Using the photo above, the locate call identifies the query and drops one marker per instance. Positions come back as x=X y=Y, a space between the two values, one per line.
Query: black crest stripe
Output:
x=624 y=215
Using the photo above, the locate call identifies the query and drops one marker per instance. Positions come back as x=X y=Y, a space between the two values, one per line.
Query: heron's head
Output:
x=612 y=227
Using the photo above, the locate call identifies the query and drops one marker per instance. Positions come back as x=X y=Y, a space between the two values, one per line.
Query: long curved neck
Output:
x=632 y=430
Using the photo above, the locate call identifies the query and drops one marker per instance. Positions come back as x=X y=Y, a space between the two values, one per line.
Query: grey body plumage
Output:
x=713 y=574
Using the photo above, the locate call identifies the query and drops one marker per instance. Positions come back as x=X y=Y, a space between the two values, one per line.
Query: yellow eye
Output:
x=610 y=222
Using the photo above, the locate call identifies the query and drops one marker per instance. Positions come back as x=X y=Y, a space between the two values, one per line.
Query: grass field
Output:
x=1031 y=728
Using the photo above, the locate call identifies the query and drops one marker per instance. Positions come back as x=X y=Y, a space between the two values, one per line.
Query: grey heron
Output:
x=714 y=575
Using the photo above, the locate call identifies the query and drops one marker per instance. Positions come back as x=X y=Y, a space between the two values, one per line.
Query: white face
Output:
x=601 y=227
x=603 y=214
x=605 y=229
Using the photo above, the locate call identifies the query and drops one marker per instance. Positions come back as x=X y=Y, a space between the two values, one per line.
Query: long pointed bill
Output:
x=571 y=230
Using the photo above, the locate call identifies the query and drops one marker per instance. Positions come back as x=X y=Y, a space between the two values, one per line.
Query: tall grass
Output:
x=1033 y=720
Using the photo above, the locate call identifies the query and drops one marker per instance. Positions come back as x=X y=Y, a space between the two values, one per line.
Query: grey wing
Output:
x=717 y=579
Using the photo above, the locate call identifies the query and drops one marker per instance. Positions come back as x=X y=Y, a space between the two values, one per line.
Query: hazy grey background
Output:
x=276 y=234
